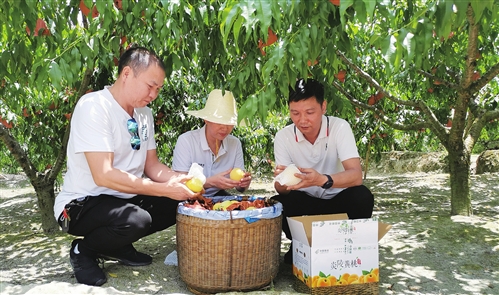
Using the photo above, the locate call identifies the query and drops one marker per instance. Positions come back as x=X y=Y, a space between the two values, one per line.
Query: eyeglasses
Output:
x=133 y=128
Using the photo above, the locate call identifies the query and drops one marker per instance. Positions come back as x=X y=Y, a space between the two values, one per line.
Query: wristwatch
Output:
x=328 y=183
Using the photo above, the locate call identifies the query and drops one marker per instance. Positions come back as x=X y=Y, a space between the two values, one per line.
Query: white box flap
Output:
x=306 y=225
x=298 y=231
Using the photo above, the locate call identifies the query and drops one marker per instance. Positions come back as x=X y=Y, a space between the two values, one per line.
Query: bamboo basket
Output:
x=227 y=255
x=357 y=289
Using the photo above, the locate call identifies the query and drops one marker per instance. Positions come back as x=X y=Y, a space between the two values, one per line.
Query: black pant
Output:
x=357 y=202
x=108 y=223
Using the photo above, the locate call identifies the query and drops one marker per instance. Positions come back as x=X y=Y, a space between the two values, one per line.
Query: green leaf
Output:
x=264 y=12
x=237 y=29
x=55 y=75
x=370 y=6
x=443 y=18
x=388 y=49
x=227 y=20
x=360 y=11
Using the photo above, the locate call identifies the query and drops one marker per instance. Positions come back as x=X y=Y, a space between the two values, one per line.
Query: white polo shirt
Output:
x=324 y=155
x=99 y=124
x=192 y=147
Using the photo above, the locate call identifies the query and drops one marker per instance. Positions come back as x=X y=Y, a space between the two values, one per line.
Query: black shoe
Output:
x=288 y=257
x=86 y=268
x=128 y=256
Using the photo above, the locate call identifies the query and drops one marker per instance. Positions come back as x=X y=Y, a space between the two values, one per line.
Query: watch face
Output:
x=329 y=182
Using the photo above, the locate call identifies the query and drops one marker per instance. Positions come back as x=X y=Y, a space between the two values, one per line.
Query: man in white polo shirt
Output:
x=324 y=150
x=213 y=147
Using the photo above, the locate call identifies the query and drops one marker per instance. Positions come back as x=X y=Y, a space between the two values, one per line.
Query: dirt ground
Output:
x=426 y=252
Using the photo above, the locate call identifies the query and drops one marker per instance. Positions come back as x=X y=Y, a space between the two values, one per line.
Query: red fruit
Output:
x=6 y=124
x=430 y=90
x=118 y=4
x=309 y=63
x=52 y=106
x=262 y=51
x=335 y=2
x=379 y=96
x=437 y=82
x=271 y=39
x=40 y=28
x=68 y=116
x=25 y=112
x=341 y=75
x=86 y=11
x=476 y=76
x=372 y=100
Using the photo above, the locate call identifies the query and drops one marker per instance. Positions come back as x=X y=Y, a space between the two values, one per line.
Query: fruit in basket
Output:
x=194 y=184
x=222 y=206
x=236 y=174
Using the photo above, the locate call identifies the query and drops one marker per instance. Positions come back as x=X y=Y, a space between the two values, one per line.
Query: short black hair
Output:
x=139 y=59
x=306 y=89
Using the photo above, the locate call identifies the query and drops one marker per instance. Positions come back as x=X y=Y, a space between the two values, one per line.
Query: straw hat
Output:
x=220 y=109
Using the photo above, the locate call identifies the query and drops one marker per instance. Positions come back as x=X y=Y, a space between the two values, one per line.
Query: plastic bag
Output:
x=287 y=176
x=196 y=171
x=250 y=215
x=171 y=259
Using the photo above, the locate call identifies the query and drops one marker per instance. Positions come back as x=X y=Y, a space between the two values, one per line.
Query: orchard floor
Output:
x=426 y=252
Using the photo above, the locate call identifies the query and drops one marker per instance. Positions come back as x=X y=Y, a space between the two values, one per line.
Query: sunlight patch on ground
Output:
x=415 y=273
x=60 y=288
x=491 y=224
x=473 y=285
x=16 y=201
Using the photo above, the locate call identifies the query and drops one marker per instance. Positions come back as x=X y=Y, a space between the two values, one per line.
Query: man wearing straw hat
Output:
x=213 y=147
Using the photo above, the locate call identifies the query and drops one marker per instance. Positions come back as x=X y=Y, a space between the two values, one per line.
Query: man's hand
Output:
x=244 y=183
x=221 y=181
x=309 y=177
x=177 y=190
x=281 y=189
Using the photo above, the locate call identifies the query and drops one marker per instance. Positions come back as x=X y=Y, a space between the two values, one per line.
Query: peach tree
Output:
x=378 y=59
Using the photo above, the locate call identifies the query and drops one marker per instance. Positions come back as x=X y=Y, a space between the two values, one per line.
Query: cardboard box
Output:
x=332 y=250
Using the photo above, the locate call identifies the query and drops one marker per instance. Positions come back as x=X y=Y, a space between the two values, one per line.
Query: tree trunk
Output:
x=459 y=165
x=46 y=197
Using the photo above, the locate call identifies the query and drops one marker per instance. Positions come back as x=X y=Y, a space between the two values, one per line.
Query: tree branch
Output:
x=18 y=153
x=435 y=78
x=476 y=128
x=373 y=82
x=61 y=158
x=414 y=126
x=485 y=79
